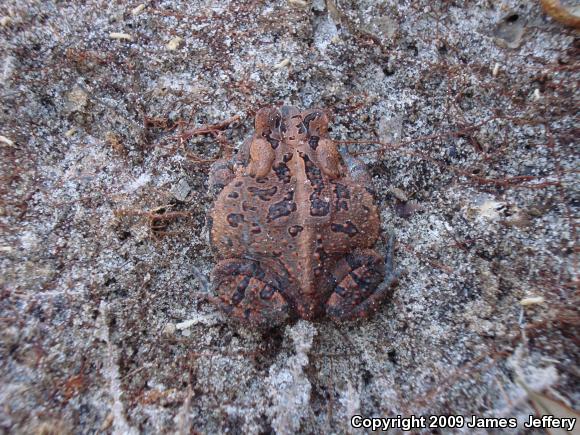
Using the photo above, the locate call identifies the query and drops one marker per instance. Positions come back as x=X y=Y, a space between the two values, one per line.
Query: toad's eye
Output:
x=316 y=122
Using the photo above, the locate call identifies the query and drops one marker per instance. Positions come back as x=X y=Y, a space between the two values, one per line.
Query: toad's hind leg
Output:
x=249 y=294
x=364 y=282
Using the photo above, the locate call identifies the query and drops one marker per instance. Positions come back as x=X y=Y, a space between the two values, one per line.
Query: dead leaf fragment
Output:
x=120 y=36
x=115 y=142
x=532 y=300
x=282 y=64
x=6 y=141
x=138 y=9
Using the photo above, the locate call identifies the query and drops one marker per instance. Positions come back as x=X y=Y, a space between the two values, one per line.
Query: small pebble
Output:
x=174 y=44
x=169 y=328
x=77 y=98
x=181 y=190
x=399 y=194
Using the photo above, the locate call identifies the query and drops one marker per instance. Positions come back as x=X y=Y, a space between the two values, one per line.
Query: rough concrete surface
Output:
x=111 y=115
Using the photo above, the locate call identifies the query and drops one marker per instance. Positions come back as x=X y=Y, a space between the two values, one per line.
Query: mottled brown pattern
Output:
x=293 y=226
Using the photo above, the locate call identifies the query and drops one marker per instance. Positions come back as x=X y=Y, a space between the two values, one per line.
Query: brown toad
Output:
x=293 y=226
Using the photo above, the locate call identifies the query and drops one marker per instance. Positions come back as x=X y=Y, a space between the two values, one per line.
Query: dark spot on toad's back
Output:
x=342 y=191
x=313 y=173
x=234 y=219
x=247 y=207
x=263 y=194
x=282 y=208
x=342 y=196
x=318 y=206
x=313 y=142
x=294 y=230
x=282 y=172
x=348 y=228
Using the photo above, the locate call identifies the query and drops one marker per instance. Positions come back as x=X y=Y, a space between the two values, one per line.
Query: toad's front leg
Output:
x=223 y=171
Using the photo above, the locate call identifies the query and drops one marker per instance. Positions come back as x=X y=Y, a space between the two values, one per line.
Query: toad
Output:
x=293 y=226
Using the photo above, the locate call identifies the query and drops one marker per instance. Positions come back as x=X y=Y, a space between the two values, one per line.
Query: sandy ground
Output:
x=111 y=115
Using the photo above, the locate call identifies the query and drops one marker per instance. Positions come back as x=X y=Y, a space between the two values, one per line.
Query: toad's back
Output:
x=294 y=206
